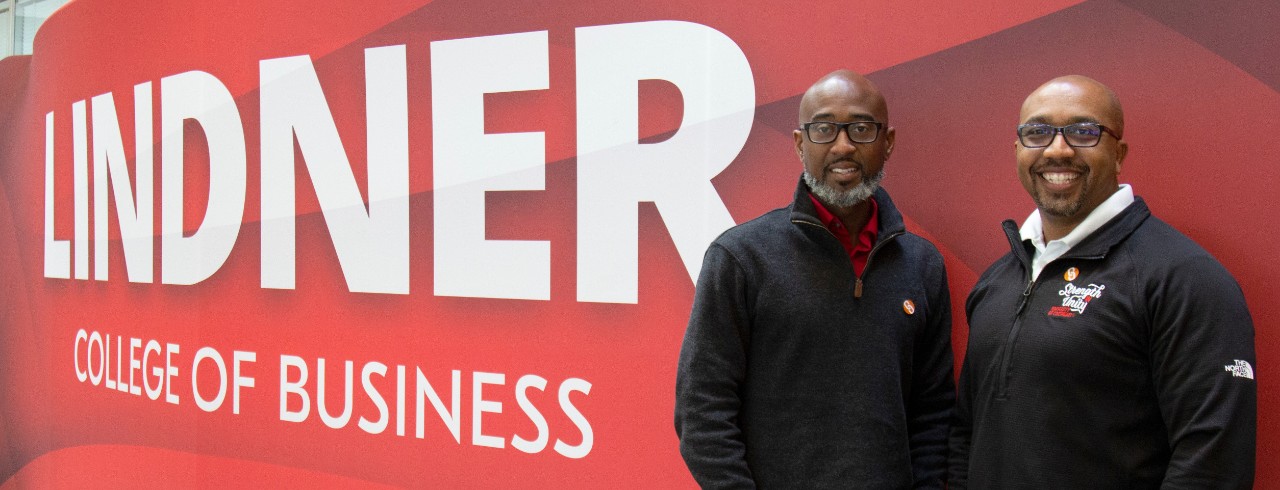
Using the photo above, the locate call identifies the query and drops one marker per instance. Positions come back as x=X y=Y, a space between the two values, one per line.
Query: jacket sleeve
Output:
x=1202 y=354
x=710 y=374
x=961 y=438
x=929 y=409
x=961 y=435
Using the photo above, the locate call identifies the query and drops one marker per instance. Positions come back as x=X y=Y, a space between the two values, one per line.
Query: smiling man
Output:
x=1106 y=350
x=818 y=352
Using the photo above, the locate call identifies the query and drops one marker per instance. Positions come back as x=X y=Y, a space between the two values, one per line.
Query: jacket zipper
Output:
x=1002 y=391
x=1015 y=244
x=857 y=285
x=1002 y=387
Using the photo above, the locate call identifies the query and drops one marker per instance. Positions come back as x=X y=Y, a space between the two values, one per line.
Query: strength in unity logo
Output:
x=1075 y=299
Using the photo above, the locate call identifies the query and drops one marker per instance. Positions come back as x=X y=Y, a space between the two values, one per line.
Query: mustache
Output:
x=1059 y=164
x=853 y=163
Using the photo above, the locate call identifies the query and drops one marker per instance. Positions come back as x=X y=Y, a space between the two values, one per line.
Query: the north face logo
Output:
x=1241 y=369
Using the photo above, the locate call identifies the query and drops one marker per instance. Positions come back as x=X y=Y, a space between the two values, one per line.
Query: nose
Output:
x=843 y=143
x=1058 y=148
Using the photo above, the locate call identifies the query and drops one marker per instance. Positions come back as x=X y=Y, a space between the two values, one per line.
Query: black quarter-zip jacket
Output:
x=790 y=379
x=1128 y=363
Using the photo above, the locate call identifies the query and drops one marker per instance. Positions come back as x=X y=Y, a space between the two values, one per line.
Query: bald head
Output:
x=1067 y=181
x=1081 y=89
x=845 y=168
x=843 y=84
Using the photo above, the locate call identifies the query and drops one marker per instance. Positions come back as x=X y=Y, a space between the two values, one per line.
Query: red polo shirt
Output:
x=858 y=252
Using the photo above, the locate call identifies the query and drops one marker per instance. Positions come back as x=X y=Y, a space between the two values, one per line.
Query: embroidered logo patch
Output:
x=1075 y=299
x=909 y=307
x=1071 y=274
x=1241 y=369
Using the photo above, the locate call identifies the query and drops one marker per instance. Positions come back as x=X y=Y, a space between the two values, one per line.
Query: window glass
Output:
x=29 y=15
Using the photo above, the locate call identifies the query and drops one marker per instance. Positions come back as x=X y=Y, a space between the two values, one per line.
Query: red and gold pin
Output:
x=1071 y=274
x=909 y=307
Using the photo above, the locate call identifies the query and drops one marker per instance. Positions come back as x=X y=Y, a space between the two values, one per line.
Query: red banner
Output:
x=453 y=244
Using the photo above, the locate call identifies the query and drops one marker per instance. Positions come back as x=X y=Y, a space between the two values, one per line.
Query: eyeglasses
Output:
x=1078 y=135
x=821 y=133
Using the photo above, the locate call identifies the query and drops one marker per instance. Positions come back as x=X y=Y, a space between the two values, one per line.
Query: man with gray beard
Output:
x=818 y=351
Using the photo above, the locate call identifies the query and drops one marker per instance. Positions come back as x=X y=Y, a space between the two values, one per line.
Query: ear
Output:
x=799 y=136
x=1122 y=149
x=889 y=137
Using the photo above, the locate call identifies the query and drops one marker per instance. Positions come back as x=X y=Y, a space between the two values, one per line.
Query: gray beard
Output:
x=834 y=198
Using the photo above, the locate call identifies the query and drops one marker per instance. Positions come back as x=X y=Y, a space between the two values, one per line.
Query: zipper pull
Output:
x=1026 y=295
x=857 y=288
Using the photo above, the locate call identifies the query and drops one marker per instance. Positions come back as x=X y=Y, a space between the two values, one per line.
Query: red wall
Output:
x=1197 y=79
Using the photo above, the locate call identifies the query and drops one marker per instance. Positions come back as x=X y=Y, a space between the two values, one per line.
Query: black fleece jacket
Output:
x=789 y=378
x=1128 y=363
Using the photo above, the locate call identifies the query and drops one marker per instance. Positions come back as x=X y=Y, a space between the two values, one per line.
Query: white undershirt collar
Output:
x=1033 y=229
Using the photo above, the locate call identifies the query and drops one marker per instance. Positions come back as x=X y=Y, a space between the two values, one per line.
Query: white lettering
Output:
x=135 y=364
x=212 y=404
x=452 y=418
x=111 y=383
x=366 y=375
x=329 y=420
x=615 y=171
x=400 y=402
x=372 y=245
x=370 y=230
x=152 y=346
x=81 y=336
x=522 y=398
x=467 y=163
x=96 y=377
x=588 y=437
x=200 y=97
x=288 y=387
x=134 y=215
x=479 y=406
x=80 y=172
x=238 y=380
x=57 y=253
x=170 y=371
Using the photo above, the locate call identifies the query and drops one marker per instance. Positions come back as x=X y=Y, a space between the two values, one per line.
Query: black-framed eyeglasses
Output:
x=1078 y=135
x=823 y=132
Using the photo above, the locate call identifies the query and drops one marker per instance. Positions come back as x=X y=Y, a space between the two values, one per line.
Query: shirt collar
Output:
x=1033 y=228
x=866 y=235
